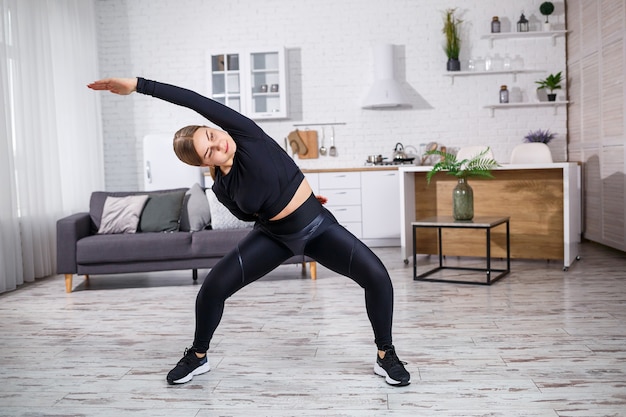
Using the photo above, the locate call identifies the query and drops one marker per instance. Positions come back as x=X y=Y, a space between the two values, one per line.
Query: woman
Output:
x=258 y=181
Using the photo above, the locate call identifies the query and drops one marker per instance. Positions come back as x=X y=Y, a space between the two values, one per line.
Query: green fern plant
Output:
x=477 y=166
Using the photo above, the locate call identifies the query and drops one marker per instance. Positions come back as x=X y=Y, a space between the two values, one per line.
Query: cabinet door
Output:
x=225 y=80
x=380 y=200
x=343 y=190
x=314 y=181
x=252 y=82
x=267 y=84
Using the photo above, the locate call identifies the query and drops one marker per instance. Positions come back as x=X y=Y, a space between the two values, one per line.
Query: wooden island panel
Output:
x=533 y=199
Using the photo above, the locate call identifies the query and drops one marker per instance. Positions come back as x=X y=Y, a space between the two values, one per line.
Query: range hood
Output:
x=386 y=91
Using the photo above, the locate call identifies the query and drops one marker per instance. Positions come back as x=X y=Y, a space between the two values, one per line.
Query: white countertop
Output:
x=419 y=168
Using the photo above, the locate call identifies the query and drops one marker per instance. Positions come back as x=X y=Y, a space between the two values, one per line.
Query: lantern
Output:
x=522 y=24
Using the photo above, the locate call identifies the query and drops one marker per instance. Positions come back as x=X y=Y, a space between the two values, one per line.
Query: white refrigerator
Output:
x=162 y=169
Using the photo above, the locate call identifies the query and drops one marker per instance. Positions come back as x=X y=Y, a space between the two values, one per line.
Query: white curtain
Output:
x=50 y=133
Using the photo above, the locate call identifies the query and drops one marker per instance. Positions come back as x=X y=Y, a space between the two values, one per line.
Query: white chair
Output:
x=468 y=152
x=531 y=153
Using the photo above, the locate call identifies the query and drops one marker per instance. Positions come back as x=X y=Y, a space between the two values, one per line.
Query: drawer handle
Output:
x=340 y=209
x=341 y=192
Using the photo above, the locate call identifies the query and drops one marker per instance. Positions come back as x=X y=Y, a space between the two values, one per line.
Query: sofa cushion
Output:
x=196 y=213
x=121 y=214
x=221 y=217
x=137 y=247
x=211 y=243
x=96 y=202
x=162 y=212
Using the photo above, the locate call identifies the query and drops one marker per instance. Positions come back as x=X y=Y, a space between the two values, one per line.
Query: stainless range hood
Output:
x=385 y=92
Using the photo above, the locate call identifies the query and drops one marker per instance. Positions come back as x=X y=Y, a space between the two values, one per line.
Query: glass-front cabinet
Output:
x=225 y=80
x=251 y=82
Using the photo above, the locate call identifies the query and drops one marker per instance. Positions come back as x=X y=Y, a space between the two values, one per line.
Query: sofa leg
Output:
x=195 y=274
x=313 y=270
x=68 y=282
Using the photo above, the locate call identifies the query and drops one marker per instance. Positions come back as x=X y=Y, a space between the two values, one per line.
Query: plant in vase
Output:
x=546 y=8
x=452 y=46
x=463 y=195
x=541 y=136
x=551 y=82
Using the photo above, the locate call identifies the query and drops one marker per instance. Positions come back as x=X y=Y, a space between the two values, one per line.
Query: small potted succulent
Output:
x=551 y=82
x=463 y=195
x=452 y=46
x=541 y=136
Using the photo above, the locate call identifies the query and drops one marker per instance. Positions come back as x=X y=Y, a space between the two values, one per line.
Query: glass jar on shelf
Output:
x=504 y=94
x=495 y=25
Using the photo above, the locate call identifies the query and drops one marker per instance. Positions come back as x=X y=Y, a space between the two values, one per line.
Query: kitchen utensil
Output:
x=398 y=153
x=309 y=137
x=375 y=159
x=323 y=148
x=432 y=146
x=332 y=151
x=297 y=145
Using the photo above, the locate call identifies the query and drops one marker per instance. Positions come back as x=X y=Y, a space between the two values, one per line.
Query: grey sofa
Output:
x=82 y=250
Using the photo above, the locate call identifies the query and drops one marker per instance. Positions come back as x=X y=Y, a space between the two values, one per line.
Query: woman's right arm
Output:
x=223 y=116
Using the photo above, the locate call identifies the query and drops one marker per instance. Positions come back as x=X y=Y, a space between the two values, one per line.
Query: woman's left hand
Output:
x=321 y=199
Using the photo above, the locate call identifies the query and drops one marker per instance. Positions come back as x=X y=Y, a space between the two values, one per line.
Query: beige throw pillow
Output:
x=122 y=214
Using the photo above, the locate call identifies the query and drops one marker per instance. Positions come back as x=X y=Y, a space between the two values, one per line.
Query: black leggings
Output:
x=322 y=239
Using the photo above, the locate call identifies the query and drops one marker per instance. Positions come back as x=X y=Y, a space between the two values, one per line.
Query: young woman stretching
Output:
x=258 y=181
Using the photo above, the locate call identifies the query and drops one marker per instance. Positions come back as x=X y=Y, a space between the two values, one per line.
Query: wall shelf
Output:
x=553 y=104
x=524 y=35
x=453 y=74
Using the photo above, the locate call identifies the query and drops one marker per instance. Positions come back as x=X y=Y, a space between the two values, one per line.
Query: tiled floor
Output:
x=540 y=342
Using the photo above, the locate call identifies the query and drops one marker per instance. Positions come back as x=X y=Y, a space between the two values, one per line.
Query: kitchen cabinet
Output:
x=366 y=202
x=380 y=202
x=253 y=82
x=343 y=190
x=543 y=202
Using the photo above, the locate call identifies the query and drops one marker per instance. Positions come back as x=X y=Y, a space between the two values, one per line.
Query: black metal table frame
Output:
x=488 y=269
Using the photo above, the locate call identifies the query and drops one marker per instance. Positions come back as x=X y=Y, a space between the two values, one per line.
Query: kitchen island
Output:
x=543 y=202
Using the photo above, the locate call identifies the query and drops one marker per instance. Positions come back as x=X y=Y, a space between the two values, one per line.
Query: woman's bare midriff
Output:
x=303 y=192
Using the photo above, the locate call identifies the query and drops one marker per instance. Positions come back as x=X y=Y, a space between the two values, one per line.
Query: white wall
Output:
x=330 y=62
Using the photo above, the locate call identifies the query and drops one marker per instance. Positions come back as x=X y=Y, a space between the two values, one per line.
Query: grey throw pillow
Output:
x=162 y=212
x=121 y=214
x=196 y=213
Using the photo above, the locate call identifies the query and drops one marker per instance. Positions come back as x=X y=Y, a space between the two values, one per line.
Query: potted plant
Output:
x=541 y=136
x=452 y=46
x=546 y=8
x=551 y=82
x=463 y=195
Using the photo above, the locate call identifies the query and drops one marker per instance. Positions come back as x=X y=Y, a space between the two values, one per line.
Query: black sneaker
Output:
x=392 y=368
x=187 y=367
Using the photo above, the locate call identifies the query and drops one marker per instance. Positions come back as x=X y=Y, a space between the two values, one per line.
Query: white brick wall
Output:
x=330 y=67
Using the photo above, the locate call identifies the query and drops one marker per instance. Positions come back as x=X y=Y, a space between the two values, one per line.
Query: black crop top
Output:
x=263 y=178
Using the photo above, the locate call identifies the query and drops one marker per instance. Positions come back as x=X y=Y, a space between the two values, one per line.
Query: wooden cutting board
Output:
x=309 y=137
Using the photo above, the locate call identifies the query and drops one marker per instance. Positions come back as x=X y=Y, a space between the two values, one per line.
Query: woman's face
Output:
x=215 y=147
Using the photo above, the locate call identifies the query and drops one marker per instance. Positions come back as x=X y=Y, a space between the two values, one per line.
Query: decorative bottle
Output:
x=504 y=94
x=495 y=25
x=462 y=201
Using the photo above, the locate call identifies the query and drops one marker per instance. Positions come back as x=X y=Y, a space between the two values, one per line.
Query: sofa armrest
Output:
x=70 y=230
